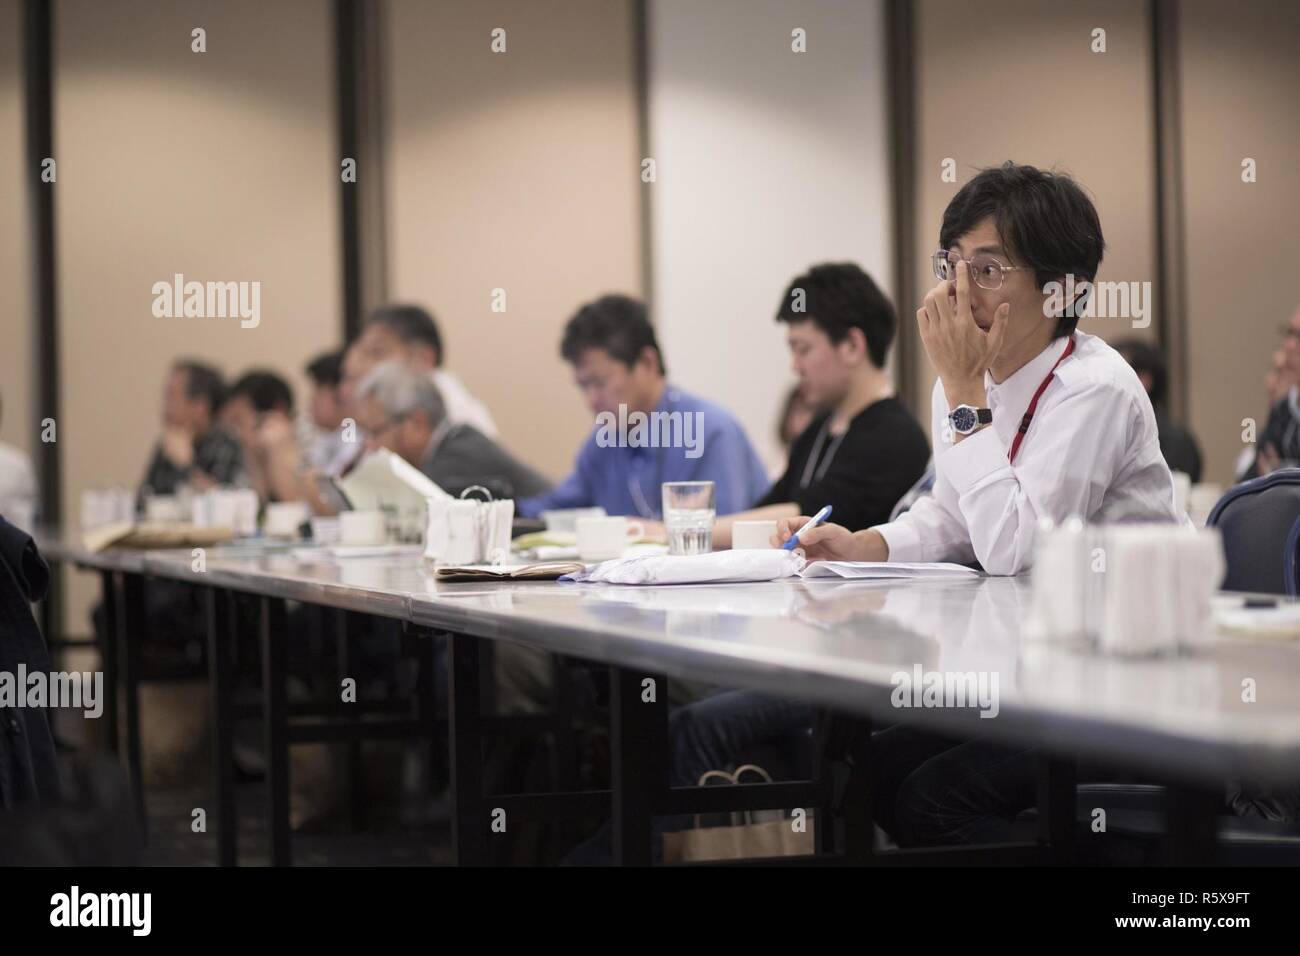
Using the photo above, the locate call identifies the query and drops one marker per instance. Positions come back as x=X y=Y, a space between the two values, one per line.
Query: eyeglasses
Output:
x=984 y=268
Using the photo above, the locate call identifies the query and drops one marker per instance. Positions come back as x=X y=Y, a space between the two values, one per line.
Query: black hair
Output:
x=838 y=296
x=1144 y=357
x=411 y=324
x=203 y=381
x=1044 y=219
x=326 y=370
x=266 y=391
x=616 y=323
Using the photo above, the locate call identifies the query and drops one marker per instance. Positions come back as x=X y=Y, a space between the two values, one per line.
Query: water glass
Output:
x=689 y=511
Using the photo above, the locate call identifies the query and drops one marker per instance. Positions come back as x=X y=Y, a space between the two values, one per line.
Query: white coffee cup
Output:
x=162 y=508
x=284 y=518
x=221 y=510
x=748 y=535
x=565 y=520
x=362 y=529
x=325 y=530
x=600 y=539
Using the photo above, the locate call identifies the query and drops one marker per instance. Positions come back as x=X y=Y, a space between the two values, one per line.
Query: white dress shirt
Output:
x=462 y=407
x=1091 y=451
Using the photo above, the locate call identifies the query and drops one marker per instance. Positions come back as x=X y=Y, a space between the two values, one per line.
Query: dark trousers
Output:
x=933 y=790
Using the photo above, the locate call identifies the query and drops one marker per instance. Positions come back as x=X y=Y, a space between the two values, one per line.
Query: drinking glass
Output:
x=688 y=516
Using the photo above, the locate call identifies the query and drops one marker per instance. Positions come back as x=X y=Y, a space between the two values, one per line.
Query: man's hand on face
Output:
x=178 y=446
x=274 y=430
x=958 y=348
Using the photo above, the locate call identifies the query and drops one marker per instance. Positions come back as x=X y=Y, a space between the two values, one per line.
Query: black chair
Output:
x=1257 y=520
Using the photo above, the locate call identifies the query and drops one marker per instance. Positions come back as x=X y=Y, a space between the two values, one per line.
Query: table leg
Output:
x=108 y=652
x=638 y=714
x=1056 y=808
x=133 y=632
x=468 y=833
x=275 y=713
x=1191 y=821
x=221 y=637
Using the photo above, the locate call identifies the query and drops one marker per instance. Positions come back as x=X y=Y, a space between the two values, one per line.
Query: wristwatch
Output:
x=966 y=418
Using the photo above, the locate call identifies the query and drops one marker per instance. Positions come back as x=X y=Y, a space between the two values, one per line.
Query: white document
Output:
x=885 y=570
x=723 y=567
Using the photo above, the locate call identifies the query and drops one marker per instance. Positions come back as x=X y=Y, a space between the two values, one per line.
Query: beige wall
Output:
x=1240 y=78
x=769 y=161
x=18 y=425
x=217 y=165
x=517 y=171
x=1028 y=88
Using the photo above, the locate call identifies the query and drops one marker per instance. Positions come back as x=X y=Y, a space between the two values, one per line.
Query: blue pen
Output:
x=813 y=522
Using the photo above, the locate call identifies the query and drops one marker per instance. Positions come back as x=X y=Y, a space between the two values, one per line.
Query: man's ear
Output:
x=854 y=343
x=650 y=358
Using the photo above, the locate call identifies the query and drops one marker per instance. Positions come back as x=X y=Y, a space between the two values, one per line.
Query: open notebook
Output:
x=548 y=571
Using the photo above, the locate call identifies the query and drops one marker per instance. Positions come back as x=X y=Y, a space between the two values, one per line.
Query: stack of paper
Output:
x=885 y=570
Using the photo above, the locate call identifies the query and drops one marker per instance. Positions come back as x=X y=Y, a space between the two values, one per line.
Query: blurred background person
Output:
x=864 y=450
x=400 y=409
x=619 y=368
x=324 y=445
x=1278 y=445
x=192 y=450
x=409 y=334
x=1177 y=443
x=259 y=412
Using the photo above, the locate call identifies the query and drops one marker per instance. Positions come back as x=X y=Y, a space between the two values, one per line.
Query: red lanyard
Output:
x=1033 y=403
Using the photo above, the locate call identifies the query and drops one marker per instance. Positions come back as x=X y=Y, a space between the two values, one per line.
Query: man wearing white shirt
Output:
x=1030 y=418
x=409 y=333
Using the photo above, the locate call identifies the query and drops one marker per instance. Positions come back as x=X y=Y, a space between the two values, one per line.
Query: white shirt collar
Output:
x=1018 y=389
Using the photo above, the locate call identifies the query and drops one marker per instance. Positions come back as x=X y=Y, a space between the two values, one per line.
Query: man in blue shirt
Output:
x=647 y=431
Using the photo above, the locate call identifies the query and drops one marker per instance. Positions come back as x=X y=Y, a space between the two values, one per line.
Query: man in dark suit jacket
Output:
x=401 y=410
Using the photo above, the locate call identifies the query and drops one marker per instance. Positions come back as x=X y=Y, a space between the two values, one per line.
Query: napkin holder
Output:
x=467 y=530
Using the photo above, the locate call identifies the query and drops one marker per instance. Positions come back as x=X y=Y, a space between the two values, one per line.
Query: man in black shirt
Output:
x=1177 y=444
x=865 y=450
x=192 y=448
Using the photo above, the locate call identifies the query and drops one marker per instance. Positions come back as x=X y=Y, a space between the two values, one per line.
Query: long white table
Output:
x=836 y=644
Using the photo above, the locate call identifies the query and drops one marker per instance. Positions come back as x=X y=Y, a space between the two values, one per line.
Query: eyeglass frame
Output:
x=946 y=255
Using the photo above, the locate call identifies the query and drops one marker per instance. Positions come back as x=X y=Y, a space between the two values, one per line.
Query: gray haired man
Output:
x=401 y=410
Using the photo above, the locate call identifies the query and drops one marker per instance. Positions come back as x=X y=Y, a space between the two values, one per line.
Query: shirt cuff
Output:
x=973 y=461
x=902 y=539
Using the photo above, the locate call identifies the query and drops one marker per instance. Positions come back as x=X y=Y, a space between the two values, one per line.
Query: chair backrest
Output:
x=1258 y=521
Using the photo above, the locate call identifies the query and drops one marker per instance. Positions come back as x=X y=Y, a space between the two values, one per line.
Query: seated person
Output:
x=324 y=443
x=1177 y=443
x=192 y=450
x=620 y=371
x=1278 y=446
x=1032 y=420
x=401 y=410
x=865 y=450
x=410 y=334
x=259 y=412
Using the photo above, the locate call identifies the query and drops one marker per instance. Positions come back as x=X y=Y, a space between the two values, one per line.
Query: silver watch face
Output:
x=964 y=419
